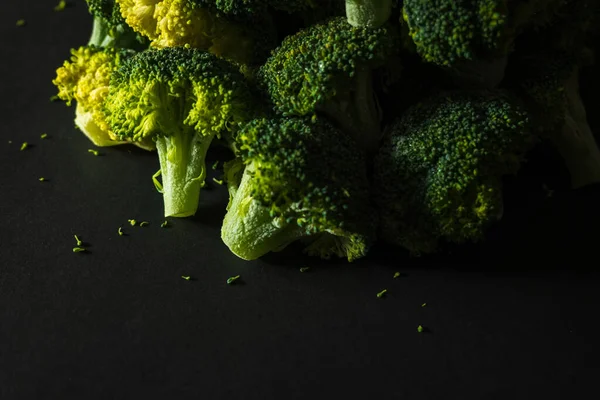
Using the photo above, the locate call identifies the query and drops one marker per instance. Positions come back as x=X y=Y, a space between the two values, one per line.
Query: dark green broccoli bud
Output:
x=304 y=180
x=181 y=98
x=471 y=39
x=327 y=69
x=110 y=28
x=544 y=72
x=439 y=172
x=368 y=13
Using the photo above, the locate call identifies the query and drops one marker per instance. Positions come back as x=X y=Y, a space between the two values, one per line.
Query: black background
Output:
x=515 y=317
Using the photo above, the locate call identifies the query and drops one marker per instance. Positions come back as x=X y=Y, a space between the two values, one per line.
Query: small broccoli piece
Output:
x=85 y=78
x=234 y=30
x=303 y=181
x=439 y=172
x=180 y=98
x=327 y=69
x=110 y=28
x=368 y=13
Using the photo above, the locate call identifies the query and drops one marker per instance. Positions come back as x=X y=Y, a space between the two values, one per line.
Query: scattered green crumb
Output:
x=21 y=22
x=120 y=231
x=397 y=275
x=78 y=249
x=424 y=305
x=10 y=142
x=420 y=329
x=164 y=224
x=62 y=4
x=24 y=146
x=94 y=152
x=232 y=279
x=79 y=242
x=43 y=136
x=132 y=222
x=42 y=179
x=215 y=165
x=304 y=269
x=220 y=182
x=382 y=293
x=144 y=223
x=187 y=278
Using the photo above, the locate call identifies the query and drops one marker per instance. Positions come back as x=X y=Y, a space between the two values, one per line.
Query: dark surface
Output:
x=513 y=318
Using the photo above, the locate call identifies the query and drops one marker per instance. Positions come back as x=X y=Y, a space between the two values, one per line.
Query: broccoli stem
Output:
x=248 y=229
x=368 y=13
x=575 y=141
x=182 y=164
x=99 y=36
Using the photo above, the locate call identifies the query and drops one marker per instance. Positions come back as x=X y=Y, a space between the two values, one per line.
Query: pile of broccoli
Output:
x=347 y=121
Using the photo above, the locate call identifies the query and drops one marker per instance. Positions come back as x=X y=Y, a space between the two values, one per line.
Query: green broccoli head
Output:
x=439 y=172
x=110 y=28
x=234 y=30
x=327 y=69
x=304 y=180
x=180 y=98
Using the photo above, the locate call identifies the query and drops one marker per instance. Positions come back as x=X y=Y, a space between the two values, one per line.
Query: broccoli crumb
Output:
x=78 y=249
x=132 y=222
x=424 y=305
x=10 y=142
x=62 y=4
x=420 y=329
x=220 y=182
x=215 y=165
x=397 y=275
x=382 y=293
x=94 y=152
x=144 y=223
x=120 y=231
x=232 y=280
x=43 y=136
x=304 y=269
x=24 y=146
x=21 y=22
x=79 y=242
x=164 y=224
x=187 y=278
x=42 y=179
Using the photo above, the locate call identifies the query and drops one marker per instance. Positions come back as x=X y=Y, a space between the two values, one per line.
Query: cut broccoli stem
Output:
x=368 y=13
x=99 y=36
x=248 y=228
x=182 y=164
x=86 y=123
x=575 y=141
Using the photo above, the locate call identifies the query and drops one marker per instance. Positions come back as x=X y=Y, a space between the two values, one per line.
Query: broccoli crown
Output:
x=238 y=36
x=312 y=67
x=160 y=92
x=439 y=171
x=446 y=31
x=107 y=11
x=86 y=76
x=110 y=28
x=311 y=175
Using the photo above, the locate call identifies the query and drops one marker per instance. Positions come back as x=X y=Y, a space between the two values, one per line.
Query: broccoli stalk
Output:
x=183 y=171
x=182 y=99
x=109 y=27
x=368 y=13
x=575 y=141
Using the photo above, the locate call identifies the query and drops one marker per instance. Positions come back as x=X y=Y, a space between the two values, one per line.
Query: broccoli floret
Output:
x=85 y=78
x=544 y=71
x=439 y=171
x=180 y=98
x=471 y=39
x=304 y=180
x=327 y=69
x=232 y=30
x=109 y=27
